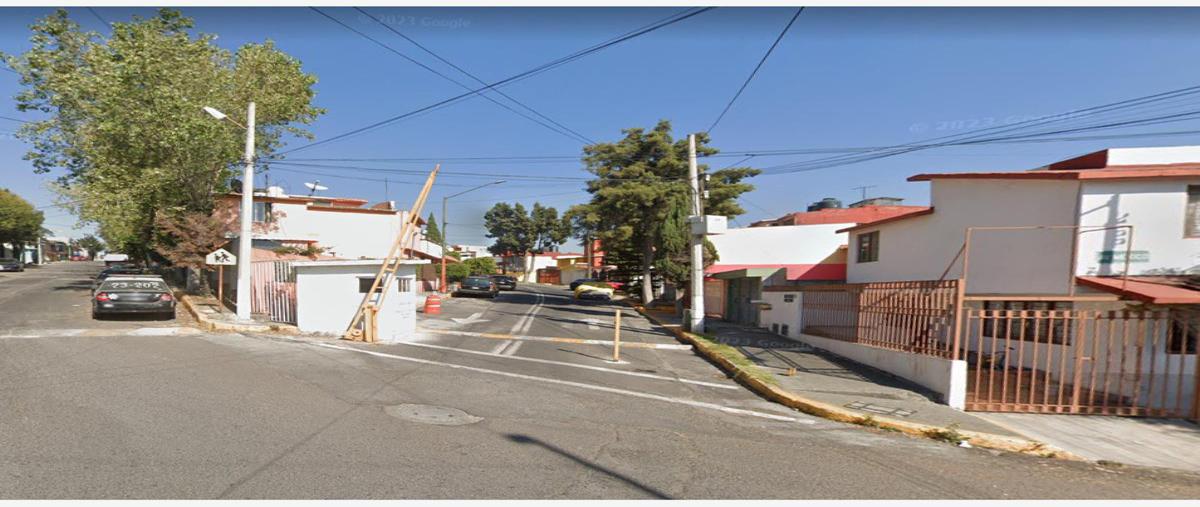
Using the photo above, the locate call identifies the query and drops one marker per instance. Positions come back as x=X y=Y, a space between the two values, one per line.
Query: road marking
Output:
x=581 y=385
x=592 y=324
x=88 y=333
x=577 y=341
x=522 y=326
x=474 y=318
x=574 y=365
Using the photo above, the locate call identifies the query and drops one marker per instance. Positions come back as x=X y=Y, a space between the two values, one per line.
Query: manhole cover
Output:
x=430 y=414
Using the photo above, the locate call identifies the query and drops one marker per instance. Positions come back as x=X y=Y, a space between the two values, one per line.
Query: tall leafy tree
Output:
x=518 y=232
x=19 y=221
x=635 y=195
x=92 y=244
x=432 y=233
x=124 y=116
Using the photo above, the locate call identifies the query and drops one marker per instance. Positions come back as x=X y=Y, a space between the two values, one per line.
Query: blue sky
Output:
x=841 y=77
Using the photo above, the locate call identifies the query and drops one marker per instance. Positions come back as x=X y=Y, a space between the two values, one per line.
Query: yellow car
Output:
x=593 y=290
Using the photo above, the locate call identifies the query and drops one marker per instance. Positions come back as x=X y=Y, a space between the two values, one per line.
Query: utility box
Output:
x=328 y=293
x=709 y=224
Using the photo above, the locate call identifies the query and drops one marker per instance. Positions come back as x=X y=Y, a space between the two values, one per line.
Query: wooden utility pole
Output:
x=363 y=325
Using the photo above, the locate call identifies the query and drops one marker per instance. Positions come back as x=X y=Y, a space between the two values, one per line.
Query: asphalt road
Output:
x=116 y=411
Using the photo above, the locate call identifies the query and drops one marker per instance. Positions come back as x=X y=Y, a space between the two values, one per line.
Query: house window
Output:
x=403 y=285
x=868 y=247
x=364 y=285
x=775 y=327
x=1184 y=333
x=1191 y=222
x=783 y=329
x=998 y=324
x=789 y=298
x=262 y=212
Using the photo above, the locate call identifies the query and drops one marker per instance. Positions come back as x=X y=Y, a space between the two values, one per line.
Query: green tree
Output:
x=19 y=221
x=581 y=222
x=480 y=266
x=640 y=181
x=517 y=232
x=92 y=244
x=123 y=116
x=432 y=233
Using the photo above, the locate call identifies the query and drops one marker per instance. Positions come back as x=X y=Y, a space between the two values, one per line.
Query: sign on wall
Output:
x=1118 y=256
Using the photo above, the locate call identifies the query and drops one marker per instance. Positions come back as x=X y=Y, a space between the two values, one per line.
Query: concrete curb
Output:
x=209 y=324
x=836 y=413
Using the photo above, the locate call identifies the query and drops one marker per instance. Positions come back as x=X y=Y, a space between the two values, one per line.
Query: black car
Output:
x=123 y=269
x=580 y=281
x=477 y=286
x=505 y=282
x=129 y=294
x=9 y=264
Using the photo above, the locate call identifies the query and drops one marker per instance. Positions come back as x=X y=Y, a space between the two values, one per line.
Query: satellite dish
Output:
x=315 y=186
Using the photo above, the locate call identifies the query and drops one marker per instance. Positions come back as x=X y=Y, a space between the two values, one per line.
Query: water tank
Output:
x=826 y=203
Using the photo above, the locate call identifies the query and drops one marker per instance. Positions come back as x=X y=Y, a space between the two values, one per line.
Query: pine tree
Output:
x=432 y=233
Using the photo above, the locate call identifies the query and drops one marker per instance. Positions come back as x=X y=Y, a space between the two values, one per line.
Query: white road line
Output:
x=581 y=385
x=523 y=326
x=574 y=341
x=96 y=332
x=574 y=365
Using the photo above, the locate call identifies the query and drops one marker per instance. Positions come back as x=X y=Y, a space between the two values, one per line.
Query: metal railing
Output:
x=916 y=317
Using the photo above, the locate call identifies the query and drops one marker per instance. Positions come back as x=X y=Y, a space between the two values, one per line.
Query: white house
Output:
x=1076 y=217
x=328 y=293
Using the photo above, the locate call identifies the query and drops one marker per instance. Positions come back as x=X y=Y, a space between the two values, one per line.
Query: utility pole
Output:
x=696 y=320
x=245 y=239
x=447 y=198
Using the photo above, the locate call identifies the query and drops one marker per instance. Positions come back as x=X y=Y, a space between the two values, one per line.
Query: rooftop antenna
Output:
x=864 y=190
x=314 y=187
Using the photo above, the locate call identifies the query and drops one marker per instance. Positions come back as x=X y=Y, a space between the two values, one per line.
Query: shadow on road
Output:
x=525 y=439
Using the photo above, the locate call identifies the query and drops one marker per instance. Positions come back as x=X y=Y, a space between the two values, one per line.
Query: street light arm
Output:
x=476 y=188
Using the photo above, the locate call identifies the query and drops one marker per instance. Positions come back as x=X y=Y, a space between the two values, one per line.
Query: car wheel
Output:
x=96 y=316
x=169 y=315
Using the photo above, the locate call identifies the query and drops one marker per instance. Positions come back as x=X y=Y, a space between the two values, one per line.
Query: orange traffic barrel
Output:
x=433 y=304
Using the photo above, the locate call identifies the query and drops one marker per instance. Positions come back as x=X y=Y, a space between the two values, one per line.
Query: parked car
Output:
x=133 y=294
x=579 y=281
x=505 y=282
x=10 y=264
x=477 y=286
x=594 y=290
x=123 y=270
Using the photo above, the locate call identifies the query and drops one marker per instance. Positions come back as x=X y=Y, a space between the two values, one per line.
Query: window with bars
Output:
x=789 y=298
x=1191 y=222
x=1184 y=333
x=1039 y=327
x=868 y=247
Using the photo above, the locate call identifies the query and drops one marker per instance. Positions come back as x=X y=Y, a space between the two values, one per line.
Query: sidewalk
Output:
x=858 y=389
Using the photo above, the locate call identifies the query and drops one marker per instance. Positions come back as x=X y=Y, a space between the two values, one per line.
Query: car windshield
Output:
x=477 y=280
x=119 y=284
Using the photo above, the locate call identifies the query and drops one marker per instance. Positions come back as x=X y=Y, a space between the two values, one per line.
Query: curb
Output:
x=836 y=413
x=208 y=324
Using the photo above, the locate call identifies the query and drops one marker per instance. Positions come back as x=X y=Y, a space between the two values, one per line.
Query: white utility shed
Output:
x=328 y=293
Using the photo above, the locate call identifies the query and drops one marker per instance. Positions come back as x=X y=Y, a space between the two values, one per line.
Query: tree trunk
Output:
x=530 y=276
x=647 y=262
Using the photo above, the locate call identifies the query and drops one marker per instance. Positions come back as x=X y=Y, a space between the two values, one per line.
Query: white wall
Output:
x=349 y=235
x=788 y=244
x=1025 y=261
x=946 y=377
x=327 y=297
x=782 y=313
x=1156 y=210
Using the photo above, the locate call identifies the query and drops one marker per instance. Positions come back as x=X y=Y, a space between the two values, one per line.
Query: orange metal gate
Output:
x=1131 y=363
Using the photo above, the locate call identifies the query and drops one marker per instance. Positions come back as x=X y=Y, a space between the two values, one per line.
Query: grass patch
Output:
x=948 y=434
x=735 y=356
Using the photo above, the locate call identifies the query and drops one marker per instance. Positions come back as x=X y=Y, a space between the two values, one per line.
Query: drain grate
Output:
x=431 y=414
x=879 y=409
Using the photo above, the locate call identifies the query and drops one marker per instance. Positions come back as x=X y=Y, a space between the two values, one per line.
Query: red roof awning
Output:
x=1146 y=289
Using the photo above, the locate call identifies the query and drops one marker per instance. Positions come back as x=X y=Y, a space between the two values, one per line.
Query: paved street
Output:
x=485 y=406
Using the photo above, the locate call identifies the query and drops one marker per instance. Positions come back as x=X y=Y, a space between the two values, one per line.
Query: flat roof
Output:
x=355 y=262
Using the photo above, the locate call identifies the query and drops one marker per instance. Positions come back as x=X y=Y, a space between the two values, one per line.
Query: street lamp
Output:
x=442 y=284
x=247 y=212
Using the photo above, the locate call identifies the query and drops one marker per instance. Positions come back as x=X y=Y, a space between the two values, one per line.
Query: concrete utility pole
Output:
x=245 y=239
x=696 y=320
x=444 y=199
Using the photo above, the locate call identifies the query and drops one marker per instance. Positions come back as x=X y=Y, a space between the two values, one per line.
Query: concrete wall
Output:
x=1026 y=261
x=790 y=244
x=782 y=313
x=946 y=377
x=1156 y=210
x=327 y=296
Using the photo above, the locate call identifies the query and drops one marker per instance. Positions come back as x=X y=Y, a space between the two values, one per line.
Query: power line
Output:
x=98 y=16
x=9 y=118
x=755 y=71
x=443 y=76
x=511 y=79
x=472 y=76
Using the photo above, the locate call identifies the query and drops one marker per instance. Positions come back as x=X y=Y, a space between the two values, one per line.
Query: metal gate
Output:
x=273 y=290
x=1130 y=363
